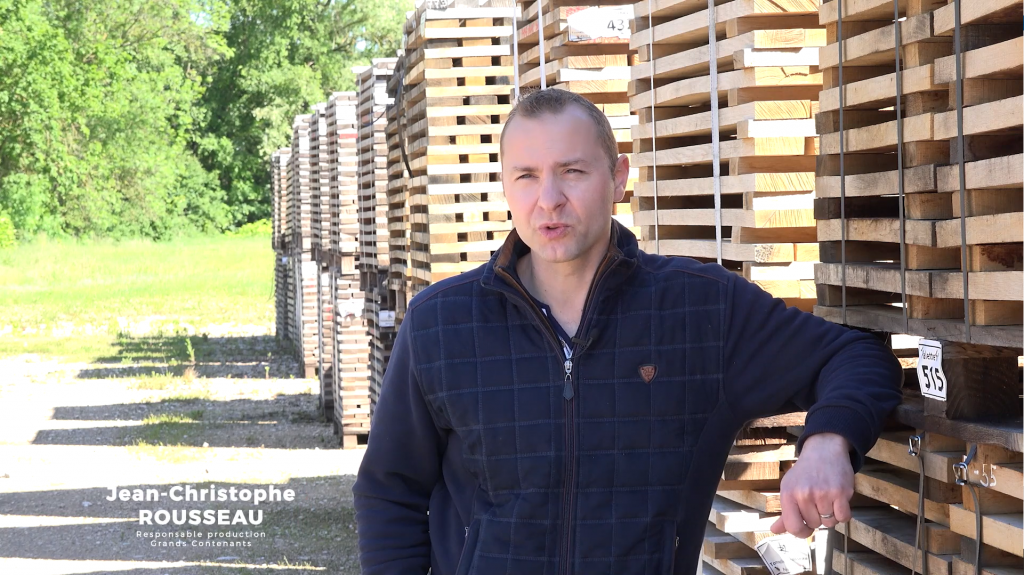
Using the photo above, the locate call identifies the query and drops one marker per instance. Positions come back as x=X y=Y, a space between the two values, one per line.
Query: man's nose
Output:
x=551 y=196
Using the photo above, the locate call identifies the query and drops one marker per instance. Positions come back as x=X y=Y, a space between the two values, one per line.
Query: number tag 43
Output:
x=929 y=369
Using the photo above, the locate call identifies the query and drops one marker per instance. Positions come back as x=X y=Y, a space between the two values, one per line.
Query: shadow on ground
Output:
x=284 y=422
x=260 y=356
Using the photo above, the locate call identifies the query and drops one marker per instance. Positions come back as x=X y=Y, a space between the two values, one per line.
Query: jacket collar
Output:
x=622 y=249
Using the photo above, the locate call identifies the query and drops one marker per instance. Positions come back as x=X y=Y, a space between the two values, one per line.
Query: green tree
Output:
x=285 y=56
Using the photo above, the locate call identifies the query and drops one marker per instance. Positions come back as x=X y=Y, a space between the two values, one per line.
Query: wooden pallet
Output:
x=278 y=185
x=320 y=163
x=343 y=197
x=299 y=203
x=931 y=229
x=373 y=208
x=397 y=193
x=457 y=83
x=351 y=408
x=882 y=533
x=767 y=91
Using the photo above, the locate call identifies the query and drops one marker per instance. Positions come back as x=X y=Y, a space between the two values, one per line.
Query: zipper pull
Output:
x=567 y=391
x=467 y=533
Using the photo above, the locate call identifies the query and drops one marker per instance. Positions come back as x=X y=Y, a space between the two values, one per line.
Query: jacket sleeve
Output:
x=779 y=358
x=399 y=471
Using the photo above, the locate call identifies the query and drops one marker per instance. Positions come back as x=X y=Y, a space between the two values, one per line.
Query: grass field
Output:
x=73 y=299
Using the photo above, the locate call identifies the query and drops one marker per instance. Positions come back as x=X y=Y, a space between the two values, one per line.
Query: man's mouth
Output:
x=553 y=230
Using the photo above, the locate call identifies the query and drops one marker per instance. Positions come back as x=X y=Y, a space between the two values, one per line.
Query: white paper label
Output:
x=929 y=369
x=386 y=319
x=600 y=22
x=785 y=554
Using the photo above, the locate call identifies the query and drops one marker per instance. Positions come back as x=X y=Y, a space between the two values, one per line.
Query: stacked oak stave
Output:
x=924 y=275
x=767 y=84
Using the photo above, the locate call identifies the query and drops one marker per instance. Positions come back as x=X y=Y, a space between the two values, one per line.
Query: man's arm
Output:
x=847 y=381
x=399 y=471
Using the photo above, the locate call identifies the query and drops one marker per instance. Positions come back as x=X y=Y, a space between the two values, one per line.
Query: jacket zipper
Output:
x=568 y=392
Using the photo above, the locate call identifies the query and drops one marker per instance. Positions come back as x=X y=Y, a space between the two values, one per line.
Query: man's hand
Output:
x=817 y=490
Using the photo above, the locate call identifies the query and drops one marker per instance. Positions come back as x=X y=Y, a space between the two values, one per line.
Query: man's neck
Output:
x=563 y=286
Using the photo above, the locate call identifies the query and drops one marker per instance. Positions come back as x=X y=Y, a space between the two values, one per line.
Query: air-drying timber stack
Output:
x=279 y=238
x=891 y=203
x=344 y=388
x=321 y=161
x=396 y=133
x=743 y=176
x=586 y=50
x=748 y=502
x=374 y=260
x=302 y=297
x=457 y=79
x=911 y=250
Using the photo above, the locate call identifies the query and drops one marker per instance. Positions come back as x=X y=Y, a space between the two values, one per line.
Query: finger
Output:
x=824 y=506
x=841 y=509
x=809 y=511
x=778 y=528
x=791 y=516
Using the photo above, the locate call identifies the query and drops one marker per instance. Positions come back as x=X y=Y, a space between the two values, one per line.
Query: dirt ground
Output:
x=238 y=419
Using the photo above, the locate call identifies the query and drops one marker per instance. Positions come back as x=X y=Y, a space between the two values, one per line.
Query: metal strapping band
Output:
x=515 y=52
x=716 y=168
x=897 y=29
x=654 y=125
x=958 y=56
x=920 y=542
x=842 y=165
x=960 y=473
x=540 y=36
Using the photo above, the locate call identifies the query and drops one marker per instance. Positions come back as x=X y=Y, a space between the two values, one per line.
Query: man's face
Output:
x=559 y=186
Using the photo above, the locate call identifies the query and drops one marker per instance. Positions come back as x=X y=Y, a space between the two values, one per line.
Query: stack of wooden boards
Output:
x=302 y=297
x=345 y=386
x=374 y=259
x=931 y=227
x=320 y=219
x=766 y=81
x=748 y=502
x=395 y=131
x=586 y=50
x=977 y=429
x=456 y=87
x=279 y=239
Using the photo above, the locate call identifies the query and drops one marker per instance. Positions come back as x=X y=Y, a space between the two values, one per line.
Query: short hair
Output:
x=555 y=101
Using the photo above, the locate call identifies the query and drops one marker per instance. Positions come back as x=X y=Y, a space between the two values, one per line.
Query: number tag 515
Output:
x=929 y=369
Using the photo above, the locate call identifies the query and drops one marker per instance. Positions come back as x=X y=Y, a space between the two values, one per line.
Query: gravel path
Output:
x=241 y=422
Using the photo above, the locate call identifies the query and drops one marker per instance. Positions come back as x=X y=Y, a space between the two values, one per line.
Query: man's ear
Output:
x=621 y=176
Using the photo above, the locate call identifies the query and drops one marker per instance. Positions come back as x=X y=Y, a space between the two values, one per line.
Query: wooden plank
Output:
x=720 y=545
x=899 y=488
x=1002 y=172
x=1001 y=116
x=877 y=47
x=1002 y=531
x=763 y=501
x=745 y=148
x=697 y=122
x=730 y=517
x=892 y=534
x=987 y=12
x=865 y=563
x=730 y=217
x=880 y=137
x=892 y=448
x=1002 y=60
x=794 y=182
x=1000 y=286
x=990 y=229
x=882 y=89
x=695 y=91
x=668 y=8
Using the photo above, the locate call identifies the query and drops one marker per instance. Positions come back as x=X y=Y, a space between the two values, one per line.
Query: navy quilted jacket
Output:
x=531 y=464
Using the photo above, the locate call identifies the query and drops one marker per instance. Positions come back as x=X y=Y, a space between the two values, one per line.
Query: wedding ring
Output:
x=826 y=516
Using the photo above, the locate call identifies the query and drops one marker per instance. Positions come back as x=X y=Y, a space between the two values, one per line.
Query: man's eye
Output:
x=522 y=176
x=573 y=171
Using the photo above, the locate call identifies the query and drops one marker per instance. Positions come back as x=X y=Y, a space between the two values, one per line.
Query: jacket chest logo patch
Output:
x=648 y=372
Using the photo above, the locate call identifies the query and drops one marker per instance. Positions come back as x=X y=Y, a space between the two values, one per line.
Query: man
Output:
x=569 y=406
